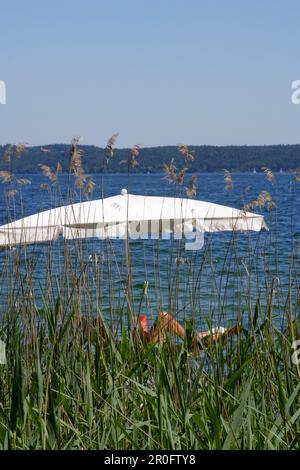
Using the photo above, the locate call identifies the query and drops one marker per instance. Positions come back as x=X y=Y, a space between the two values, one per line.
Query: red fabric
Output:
x=143 y=322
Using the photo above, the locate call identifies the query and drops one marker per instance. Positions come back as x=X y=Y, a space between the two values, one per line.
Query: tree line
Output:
x=151 y=159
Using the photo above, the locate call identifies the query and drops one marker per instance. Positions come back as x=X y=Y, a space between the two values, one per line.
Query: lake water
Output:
x=210 y=283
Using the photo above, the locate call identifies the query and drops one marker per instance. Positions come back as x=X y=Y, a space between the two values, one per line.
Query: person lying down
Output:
x=165 y=323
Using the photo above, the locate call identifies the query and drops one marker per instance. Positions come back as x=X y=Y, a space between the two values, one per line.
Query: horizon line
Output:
x=153 y=146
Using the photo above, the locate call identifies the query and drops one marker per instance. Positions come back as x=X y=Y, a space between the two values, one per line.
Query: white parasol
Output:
x=128 y=215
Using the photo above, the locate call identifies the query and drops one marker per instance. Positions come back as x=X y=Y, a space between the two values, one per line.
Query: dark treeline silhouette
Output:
x=207 y=158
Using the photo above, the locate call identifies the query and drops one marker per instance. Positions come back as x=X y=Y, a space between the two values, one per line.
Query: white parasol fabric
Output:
x=128 y=214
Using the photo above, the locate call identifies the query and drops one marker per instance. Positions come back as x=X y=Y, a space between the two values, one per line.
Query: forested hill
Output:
x=207 y=158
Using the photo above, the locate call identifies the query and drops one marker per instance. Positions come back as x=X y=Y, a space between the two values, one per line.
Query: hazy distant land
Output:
x=207 y=158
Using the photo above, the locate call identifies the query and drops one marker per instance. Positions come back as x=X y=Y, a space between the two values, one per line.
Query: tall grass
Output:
x=74 y=377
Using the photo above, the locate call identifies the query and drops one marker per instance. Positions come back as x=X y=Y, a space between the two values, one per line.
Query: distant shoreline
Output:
x=207 y=159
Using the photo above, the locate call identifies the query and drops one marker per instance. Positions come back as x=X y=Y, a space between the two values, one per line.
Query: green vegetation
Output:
x=75 y=379
x=69 y=387
x=207 y=158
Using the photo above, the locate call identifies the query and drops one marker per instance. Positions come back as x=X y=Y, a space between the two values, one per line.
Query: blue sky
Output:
x=159 y=72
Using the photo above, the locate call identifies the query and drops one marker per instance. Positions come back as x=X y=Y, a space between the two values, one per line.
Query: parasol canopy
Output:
x=129 y=215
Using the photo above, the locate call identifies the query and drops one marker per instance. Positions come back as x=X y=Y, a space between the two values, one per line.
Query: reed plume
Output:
x=75 y=157
x=89 y=187
x=191 y=189
x=7 y=156
x=184 y=150
x=5 y=177
x=134 y=152
x=76 y=163
x=269 y=174
x=297 y=175
x=170 y=171
x=171 y=175
x=73 y=146
x=228 y=181
x=46 y=170
x=264 y=199
x=180 y=176
x=19 y=150
x=23 y=181
x=109 y=147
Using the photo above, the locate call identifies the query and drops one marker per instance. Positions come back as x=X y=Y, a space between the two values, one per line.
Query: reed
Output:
x=74 y=377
